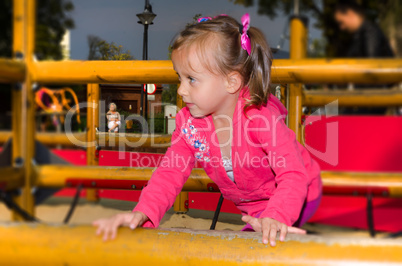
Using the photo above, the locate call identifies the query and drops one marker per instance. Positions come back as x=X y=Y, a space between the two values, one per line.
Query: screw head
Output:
x=19 y=161
x=19 y=55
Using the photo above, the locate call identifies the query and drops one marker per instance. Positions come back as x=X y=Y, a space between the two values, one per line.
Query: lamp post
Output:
x=146 y=19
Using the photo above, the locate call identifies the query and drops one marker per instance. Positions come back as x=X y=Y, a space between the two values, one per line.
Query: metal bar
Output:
x=392 y=181
x=61 y=175
x=16 y=95
x=11 y=70
x=78 y=245
x=284 y=71
x=180 y=205
x=79 y=139
x=28 y=108
x=106 y=72
x=23 y=101
x=353 y=98
x=92 y=123
x=298 y=50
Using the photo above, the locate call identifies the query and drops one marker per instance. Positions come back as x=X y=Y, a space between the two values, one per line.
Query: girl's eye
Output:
x=191 y=79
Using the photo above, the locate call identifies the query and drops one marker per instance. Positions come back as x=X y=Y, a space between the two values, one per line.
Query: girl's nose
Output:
x=181 y=91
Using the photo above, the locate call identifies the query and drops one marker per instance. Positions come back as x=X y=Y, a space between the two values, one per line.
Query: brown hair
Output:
x=223 y=33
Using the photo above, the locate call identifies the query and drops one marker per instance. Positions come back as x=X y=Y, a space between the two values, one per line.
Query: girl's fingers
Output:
x=113 y=233
x=295 y=230
x=254 y=222
x=99 y=230
x=266 y=227
x=284 y=232
x=105 y=234
x=272 y=234
x=246 y=218
x=134 y=222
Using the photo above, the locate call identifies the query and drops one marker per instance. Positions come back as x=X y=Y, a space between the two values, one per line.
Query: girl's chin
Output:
x=197 y=114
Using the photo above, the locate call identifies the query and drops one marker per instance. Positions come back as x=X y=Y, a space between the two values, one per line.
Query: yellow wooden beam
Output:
x=298 y=50
x=78 y=245
x=92 y=123
x=353 y=98
x=283 y=71
x=11 y=70
x=104 y=139
x=391 y=181
x=19 y=44
x=58 y=175
x=369 y=71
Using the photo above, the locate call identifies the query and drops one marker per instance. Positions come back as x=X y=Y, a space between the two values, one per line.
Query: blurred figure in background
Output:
x=368 y=41
x=368 y=38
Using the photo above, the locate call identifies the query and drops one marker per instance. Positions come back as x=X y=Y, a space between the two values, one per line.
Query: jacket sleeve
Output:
x=167 y=180
x=287 y=163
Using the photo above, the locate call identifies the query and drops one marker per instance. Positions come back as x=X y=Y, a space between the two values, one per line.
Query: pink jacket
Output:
x=274 y=174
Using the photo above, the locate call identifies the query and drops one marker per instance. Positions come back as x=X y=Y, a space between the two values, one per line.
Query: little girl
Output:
x=235 y=128
x=113 y=118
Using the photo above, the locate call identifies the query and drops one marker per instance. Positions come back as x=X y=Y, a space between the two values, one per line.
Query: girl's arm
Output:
x=161 y=192
x=168 y=179
x=290 y=174
x=118 y=116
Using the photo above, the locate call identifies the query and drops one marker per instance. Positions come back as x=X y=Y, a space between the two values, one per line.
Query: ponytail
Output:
x=258 y=69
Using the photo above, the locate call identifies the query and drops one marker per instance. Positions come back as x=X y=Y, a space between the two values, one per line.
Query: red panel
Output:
x=366 y=143
x=208 y=201
x=351 y=212
x=76 y=157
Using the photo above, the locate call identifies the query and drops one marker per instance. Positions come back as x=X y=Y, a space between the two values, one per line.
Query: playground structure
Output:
x=58 y=102
x=23 y=172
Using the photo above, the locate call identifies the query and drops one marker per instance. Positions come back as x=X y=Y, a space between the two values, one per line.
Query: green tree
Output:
x=52 y=21
x=100 y=49
x=322 y=11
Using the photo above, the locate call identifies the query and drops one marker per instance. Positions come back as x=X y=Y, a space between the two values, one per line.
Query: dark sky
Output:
x=116 y=21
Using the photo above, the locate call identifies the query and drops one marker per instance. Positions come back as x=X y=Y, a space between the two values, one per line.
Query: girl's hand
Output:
x=269 y=228
x=108 y=226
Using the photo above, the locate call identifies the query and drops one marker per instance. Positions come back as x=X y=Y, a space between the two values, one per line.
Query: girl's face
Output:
x=112 y=107
x=203 y=92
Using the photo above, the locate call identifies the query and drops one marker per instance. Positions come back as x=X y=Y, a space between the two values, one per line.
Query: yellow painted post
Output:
x=181 y=203
x=298 y=50
x=23 y=101
x=18 y=49
x=92 y=123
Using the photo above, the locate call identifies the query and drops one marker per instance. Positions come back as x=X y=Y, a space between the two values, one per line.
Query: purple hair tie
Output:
x=202 y=19
x=245 y=40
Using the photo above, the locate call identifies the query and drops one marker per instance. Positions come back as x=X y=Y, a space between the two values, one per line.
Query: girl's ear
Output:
x=234 y=82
